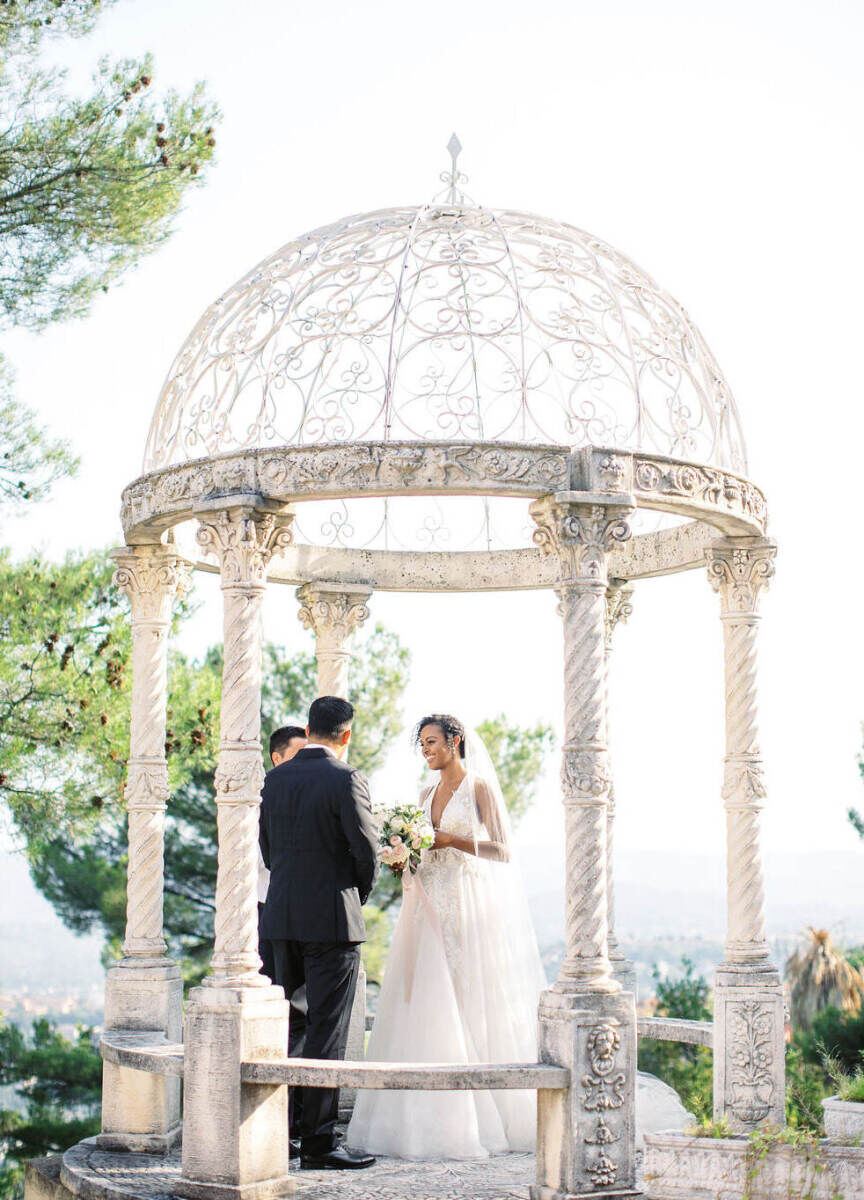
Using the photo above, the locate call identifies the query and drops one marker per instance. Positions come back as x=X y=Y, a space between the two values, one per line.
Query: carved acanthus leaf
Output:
x=333 y=616
x=740 y=572
x=151 y=577
x=580 y=534
x=244 y=540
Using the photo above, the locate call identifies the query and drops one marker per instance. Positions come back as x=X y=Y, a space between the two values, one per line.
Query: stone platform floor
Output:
x=99 y=1174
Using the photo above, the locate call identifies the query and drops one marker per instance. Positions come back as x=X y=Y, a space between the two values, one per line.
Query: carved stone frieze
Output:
x=244 y=540
x=666 y=479
x=739 y=571
x=390 y=468
x=602 y=1084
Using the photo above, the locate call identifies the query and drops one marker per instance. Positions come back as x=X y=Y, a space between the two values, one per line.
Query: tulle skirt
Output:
x=462 y=984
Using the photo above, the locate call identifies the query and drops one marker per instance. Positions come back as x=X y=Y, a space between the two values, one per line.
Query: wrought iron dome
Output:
x=445 y=322
x=440 y=323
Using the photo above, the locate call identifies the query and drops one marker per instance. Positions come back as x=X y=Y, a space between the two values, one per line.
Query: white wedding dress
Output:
x=461 y=986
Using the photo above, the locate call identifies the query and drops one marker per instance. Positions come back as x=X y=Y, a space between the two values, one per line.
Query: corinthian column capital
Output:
x=580 y=528
x=151 y=577
x=739 y=568
x=332 y=613
x=244 y=538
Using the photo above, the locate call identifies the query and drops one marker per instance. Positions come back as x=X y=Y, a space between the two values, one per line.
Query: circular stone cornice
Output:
x=281 y=476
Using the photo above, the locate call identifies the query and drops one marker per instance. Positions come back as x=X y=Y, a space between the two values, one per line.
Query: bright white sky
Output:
x=717 y=144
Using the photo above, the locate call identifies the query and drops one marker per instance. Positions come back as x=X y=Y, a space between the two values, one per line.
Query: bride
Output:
x=464 y=973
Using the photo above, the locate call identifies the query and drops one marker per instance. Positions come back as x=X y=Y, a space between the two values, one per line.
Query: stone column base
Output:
x=235 y=1135
x=749 y=1046
x=586 y=1133
x=141 y=1111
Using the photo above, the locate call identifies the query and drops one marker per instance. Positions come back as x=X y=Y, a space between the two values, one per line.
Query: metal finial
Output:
x=454 y=177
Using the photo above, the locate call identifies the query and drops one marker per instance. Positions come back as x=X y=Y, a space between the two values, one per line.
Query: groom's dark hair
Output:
x=329 y=717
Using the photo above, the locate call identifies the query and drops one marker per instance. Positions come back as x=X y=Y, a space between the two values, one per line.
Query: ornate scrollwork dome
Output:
x=449 y=322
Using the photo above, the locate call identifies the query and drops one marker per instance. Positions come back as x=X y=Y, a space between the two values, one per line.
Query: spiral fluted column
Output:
x=748 y=1008
x=619 y=606
x=144 y=991
x=587 y=1023
x=235 y=1135
x=333 y=612
x=243 y=540
x=151 y=577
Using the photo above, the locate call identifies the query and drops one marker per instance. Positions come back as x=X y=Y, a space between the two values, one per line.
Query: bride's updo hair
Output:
x=450 y=726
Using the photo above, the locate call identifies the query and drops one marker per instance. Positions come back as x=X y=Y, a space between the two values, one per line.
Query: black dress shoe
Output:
x=337 y=1159
x=294 y=1148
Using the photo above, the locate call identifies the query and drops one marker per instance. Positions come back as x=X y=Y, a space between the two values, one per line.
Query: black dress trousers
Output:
x=329 y=970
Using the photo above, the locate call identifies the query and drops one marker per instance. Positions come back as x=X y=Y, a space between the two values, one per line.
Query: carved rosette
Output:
x=152 y=577
x=333 y=616
x=738 y=570
x=580 y=533
x=244 y=539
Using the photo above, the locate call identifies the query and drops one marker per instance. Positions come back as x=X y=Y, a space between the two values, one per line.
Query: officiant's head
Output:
x=285 y=742
x=330 y=720
x=441 y=738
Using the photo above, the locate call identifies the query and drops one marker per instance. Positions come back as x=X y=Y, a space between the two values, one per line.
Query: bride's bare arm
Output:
x=496 y=849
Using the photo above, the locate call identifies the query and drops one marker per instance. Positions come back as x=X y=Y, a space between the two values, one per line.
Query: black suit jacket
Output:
x=319 y=840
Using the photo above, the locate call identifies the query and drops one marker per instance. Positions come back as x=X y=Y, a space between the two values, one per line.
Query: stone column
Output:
x=144 y=991
x=586 y=1134
x=333 y=612
x=235 y=1135
x=749 y=1048
x=619 y=606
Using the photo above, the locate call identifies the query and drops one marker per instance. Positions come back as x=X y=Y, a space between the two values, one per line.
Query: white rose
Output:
x=396 y=825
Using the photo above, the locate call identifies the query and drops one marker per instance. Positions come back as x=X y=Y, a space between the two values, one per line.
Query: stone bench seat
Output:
x=676 y=1029
x=144 y=1051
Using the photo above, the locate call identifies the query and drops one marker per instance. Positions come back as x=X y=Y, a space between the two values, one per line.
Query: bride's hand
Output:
x=442 y=840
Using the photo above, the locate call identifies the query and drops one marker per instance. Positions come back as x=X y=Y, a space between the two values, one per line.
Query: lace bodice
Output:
x=459 y=817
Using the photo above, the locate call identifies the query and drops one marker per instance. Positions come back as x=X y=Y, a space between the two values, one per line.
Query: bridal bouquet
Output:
x=405 y=832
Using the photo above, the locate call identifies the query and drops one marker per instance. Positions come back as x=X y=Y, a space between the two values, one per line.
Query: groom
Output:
x=320 y=844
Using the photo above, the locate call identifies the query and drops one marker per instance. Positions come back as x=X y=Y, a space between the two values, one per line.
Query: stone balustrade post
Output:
x=333 y=612
x=586 y=1134
x=619 y=606
x=144 y=991
x=235 y=1135
x=749 y=1047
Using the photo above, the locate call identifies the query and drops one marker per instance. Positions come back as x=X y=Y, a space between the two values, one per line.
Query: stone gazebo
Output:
x=444 y=398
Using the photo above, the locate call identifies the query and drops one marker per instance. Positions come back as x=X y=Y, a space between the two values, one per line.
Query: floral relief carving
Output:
x=751 y=1060
x=146 y=787
x=151 y=578
x=707 y=485
x=584 y=773
x=744 y=782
